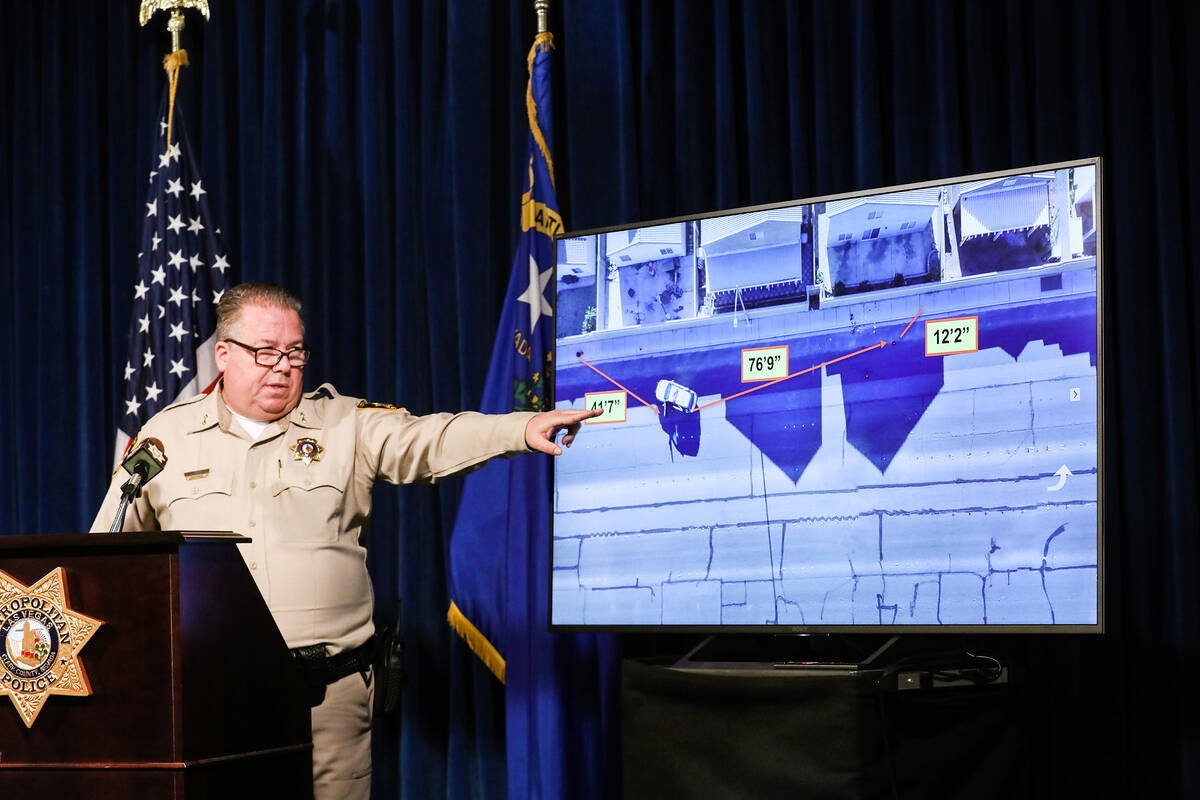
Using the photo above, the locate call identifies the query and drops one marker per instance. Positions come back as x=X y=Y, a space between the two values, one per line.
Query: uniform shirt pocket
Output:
x=200 y=504
x=306 y=503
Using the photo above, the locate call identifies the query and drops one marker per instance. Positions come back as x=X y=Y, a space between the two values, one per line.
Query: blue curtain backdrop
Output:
x=368 y=154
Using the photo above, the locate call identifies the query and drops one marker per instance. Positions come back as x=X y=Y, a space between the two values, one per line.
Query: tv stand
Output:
x=831 y=715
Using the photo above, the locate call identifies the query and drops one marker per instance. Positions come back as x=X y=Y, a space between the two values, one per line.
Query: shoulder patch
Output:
x=387 y=406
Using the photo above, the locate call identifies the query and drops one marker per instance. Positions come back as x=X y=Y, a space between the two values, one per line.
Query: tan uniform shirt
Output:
x=304 y=517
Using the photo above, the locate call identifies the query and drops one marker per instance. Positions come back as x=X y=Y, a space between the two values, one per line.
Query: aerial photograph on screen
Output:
x=879 y=410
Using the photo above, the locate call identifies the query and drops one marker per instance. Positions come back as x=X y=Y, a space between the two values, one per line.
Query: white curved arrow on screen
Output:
x=1062 y=474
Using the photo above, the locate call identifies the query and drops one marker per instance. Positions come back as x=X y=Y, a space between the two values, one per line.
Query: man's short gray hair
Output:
x=253 y=293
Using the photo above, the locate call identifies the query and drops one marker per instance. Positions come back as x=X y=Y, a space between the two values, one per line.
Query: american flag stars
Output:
x=183 y=265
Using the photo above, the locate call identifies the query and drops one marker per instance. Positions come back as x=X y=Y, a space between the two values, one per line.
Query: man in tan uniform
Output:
x=294 y=474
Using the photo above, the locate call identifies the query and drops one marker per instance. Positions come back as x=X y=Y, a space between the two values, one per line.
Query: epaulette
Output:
x=385 y=406
x=324 y=391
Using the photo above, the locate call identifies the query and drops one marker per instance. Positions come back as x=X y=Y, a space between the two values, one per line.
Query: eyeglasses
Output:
x=270 y=356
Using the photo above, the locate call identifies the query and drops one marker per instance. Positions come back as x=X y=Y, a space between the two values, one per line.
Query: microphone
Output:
x=146 y=460
x=143 y=463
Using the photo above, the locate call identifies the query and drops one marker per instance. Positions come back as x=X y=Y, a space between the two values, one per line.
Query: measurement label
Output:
x=945 y=337
x=764 y=363
x=611 y=404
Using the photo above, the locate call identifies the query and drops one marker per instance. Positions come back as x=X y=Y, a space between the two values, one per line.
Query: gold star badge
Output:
x=307 y=450
x=42 y=638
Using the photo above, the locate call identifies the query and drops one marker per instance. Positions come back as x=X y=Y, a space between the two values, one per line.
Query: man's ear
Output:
x=221 y=353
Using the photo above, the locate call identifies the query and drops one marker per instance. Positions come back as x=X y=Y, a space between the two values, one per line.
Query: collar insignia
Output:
x=41 y=639
x=307 y=450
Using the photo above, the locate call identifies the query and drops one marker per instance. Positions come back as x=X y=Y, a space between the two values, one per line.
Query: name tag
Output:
x=195 y=474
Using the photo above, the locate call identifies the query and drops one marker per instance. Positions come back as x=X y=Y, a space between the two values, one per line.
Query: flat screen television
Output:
x=877 y=411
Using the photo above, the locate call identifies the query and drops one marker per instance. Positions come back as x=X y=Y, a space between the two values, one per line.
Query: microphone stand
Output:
x=131 y=489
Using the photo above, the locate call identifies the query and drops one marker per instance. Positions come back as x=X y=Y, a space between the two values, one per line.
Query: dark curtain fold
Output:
x=369 y=154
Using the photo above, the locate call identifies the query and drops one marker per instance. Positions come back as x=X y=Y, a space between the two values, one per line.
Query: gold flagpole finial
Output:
x=175 y=23
x=542 y=7
x=178 y=57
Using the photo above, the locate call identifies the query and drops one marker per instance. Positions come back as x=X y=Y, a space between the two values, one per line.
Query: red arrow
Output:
x=881 y=344
x=619 y=386
x=910 y=322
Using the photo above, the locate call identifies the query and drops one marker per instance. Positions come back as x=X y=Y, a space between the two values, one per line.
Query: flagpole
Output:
x=177 y=263
x=178 y=56
x=542 y=7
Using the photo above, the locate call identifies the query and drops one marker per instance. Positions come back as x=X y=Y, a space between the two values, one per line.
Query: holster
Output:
x=389 y=670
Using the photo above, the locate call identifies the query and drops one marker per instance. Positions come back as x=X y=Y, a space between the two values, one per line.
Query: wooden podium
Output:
x=194 y=694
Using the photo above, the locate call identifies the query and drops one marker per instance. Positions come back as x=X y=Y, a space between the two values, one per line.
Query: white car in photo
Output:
x=670 y=393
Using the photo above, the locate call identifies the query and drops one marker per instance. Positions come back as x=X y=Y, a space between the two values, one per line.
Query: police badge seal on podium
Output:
x=42 y=637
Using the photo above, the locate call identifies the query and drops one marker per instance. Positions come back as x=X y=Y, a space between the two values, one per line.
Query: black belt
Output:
x=320 y=669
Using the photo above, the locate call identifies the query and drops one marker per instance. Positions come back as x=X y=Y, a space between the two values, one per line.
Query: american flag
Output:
x=182 y=273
